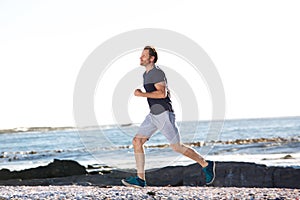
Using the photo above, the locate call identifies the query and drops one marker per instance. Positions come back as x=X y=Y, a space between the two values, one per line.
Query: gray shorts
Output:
x=164 y=122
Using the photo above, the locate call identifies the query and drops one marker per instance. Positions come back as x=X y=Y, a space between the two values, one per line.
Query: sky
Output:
x=255 y=46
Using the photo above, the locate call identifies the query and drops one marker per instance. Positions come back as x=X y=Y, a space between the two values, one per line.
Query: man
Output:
x=162 y=118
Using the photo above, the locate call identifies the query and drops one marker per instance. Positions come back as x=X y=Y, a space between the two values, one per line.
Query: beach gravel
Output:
x=121 y=192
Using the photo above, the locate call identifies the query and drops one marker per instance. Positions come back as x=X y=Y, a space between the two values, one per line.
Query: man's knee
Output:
x=177 y=147
x=138 y=141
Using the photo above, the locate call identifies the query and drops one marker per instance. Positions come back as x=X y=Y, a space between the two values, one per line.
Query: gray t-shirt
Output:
x=154 y=76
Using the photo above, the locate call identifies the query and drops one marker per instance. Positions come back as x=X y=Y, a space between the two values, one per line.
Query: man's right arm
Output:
x=159 y=93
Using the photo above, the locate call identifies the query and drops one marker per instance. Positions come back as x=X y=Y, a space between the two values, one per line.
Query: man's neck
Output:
x=149 y=67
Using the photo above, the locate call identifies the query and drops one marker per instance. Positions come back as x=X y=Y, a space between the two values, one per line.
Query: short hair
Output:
x=152 y=52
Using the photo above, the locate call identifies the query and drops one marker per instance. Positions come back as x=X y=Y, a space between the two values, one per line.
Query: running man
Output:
x=162 y=118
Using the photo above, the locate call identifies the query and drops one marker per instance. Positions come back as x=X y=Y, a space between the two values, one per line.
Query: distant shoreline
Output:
x=36 y=129
x=54 y=128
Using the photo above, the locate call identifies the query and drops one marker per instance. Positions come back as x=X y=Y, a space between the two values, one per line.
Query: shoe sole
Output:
x=130 y=185
x=214 y=172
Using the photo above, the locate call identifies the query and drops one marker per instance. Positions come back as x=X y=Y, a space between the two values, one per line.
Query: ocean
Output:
x=269 y=141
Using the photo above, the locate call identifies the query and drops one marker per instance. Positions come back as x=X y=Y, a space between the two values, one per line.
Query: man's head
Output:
x=149 y=56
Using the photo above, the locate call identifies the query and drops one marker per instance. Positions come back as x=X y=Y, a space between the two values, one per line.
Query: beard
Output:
x=145 y=62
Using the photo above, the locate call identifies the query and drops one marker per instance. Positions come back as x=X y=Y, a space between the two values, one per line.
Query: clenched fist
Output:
x=138 y=93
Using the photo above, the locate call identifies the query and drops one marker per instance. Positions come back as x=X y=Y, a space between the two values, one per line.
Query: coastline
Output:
x=228 y=174
x=255 y=160
x=67 y=179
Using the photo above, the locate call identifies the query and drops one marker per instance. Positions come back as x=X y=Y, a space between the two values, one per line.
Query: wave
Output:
x=30 y=155
x=203 y=143
x=238 y=144
x=36 y=129
x=64 y=128
x=259 y=140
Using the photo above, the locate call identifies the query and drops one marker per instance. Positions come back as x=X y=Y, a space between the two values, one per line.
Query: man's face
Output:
x=145 y=58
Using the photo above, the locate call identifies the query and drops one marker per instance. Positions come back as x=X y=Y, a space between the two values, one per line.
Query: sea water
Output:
x=270 y=141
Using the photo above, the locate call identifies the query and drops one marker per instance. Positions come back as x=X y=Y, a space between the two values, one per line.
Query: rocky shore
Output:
x=229 y=174
x=167 y=193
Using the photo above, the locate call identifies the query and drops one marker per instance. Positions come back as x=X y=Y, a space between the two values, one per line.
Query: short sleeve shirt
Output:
x=157 y=106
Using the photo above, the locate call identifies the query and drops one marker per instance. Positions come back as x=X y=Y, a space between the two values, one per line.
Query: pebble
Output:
x=168 y=193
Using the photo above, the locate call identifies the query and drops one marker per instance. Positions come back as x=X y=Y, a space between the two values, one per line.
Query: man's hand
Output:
x=138 y=93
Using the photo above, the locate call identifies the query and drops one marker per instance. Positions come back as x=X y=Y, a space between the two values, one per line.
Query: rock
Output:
x=229 y=174
x=287 y=157
x=286 y=178
x=5 y=174
x=193 y=175
x=172 y=175
x=239 y=174
x=58 y=168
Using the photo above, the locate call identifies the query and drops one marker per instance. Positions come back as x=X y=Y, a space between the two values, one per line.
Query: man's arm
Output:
x=160 y=92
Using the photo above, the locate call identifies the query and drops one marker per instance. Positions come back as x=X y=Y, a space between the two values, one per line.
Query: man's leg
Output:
x=139 y=180
x=169 y=128
x=190 y=153
x=208 y=167
x=138 y=145
x=146 y=130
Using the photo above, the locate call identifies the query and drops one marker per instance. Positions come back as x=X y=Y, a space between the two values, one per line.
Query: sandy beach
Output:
x=122 y=192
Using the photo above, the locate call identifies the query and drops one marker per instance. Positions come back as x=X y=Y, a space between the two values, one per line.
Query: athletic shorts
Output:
x=164 y=122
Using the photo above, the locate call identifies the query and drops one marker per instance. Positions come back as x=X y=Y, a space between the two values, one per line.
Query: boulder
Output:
x=172 y=175
x=58 y=168
x=228 y=174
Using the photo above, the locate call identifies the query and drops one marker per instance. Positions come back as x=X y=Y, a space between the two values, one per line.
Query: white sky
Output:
x=255 y=46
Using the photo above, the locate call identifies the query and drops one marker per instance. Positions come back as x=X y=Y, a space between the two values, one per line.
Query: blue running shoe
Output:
x=134 y=182
x=209 y=172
